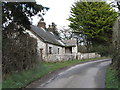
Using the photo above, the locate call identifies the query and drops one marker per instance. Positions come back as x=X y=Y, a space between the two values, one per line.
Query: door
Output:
x=41 y=53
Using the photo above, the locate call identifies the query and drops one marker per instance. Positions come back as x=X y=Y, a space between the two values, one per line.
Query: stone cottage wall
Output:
x=55 y=49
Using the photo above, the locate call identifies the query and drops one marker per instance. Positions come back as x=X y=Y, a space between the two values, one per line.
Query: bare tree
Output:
x=65 y=33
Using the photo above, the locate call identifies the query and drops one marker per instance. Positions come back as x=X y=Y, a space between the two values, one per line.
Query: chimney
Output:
x=42 y=24
x=50 y=28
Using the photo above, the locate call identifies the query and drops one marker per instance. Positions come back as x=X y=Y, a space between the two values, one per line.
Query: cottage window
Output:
x=50 y=50
x=58 y=50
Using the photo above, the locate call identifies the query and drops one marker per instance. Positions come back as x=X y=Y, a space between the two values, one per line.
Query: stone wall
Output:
x=60 y=57
x=88 y=55
x=66 y=57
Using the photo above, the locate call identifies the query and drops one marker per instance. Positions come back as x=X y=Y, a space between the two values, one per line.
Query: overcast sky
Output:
x=58 y=13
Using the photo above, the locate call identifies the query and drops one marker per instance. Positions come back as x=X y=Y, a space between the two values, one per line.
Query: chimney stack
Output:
x=50 y=28
x=42 y=24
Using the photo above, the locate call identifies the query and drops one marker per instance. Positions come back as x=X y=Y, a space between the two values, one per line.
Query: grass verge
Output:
x=111 y=79
x=22 y=79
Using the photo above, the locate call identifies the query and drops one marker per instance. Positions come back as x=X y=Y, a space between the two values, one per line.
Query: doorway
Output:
x=41 y=53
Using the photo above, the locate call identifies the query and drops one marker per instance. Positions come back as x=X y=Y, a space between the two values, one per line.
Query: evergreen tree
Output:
x=94 y=20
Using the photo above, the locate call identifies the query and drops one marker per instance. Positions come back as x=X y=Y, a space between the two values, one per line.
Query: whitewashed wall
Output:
x=55 y=49
x=74 y=49
x=54 y=56
x=88 y=55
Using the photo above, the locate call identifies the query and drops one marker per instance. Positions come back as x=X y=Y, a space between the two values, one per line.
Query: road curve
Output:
x=86 y=75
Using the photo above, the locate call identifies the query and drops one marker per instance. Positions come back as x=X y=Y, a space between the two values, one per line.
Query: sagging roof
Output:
x=47 y=36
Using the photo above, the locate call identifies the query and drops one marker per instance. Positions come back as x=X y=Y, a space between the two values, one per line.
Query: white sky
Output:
x=58 y=13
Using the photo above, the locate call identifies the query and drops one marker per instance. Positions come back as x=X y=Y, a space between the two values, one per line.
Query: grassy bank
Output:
x=111 y=79
x=21 y=79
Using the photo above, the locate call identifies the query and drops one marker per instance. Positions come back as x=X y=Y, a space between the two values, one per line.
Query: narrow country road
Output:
x=86 y=75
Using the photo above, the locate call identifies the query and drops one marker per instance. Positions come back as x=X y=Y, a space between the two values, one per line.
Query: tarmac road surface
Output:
x=86 y=75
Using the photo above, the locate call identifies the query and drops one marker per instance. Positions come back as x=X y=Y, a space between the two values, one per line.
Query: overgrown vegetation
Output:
x=116 y=44
x=19 y=49
x=104 y=50
x=111 y=78
x=23 y=78
x=19 y=53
